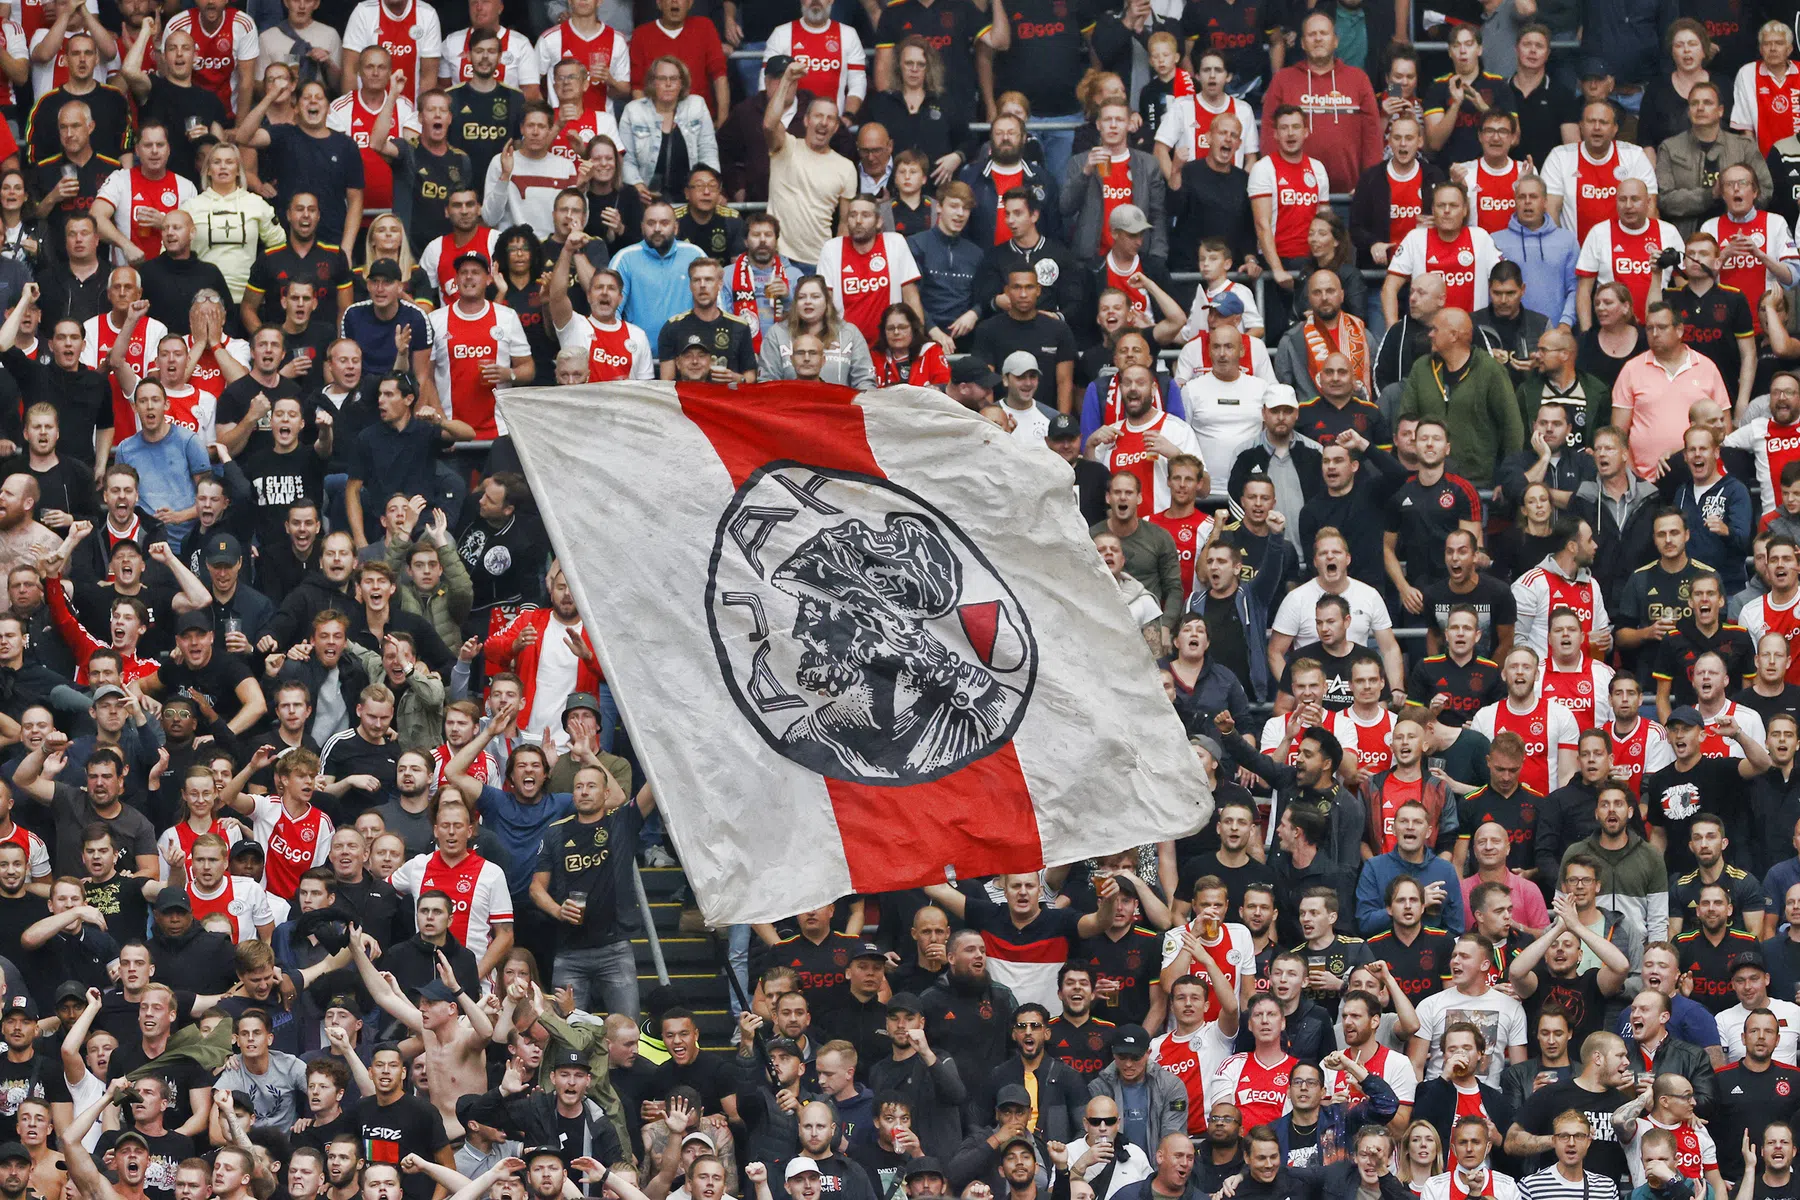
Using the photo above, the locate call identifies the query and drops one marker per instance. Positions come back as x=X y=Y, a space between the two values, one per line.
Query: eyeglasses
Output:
x=1103 y=1121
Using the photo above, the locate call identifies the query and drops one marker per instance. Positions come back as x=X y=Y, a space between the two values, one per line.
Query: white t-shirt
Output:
x=1224 y=414
x=557 y=666
x=1368 y=612
x=1500 y=1018
x=1731 y=1031
x=518 y=59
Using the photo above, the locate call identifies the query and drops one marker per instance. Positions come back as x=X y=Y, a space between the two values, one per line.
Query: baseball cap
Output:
x=785 y=1045
x=1018 y=1140
x=242 y=1099
x=969 y=369
x=1594 y=67
x=571 y=1058
x=110 y=691
x=173 y=900
x=922 y=1165
x=472 y=256
x=542 y=1152
x=867 y=950
x=384 y=268
x=12 y=1150
x=128 y=1135
x=801 y=1166
x=694 y=342
x=1748 y=958
x=71 y=990
x=904 y=1002
x=777 y=65
x=1062 y=425
x=1131 y=1041
x=701 y=1136
x=1012 y=1094
x=224 y=551
x=1129 y=218
x=1280 y=395
x=21 y=1004
x=437 y=989
x=1687 y=714
x=1020 y=362
x=1228 y=305
x=198 y=620
x=345 y=1001
x=1210 y=745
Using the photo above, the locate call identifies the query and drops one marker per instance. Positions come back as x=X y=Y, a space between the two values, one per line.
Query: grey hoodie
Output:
x=847 y=360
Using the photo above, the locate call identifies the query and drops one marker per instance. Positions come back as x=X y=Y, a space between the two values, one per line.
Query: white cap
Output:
x=801 y=1166
x=1280 y=395
x=1019 y=362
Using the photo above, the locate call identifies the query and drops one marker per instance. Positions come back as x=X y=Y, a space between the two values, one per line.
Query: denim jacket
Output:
x=641 y=129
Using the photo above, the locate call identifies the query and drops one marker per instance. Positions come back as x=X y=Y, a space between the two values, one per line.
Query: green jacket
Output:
x=1481 y=412
x=419 y=716
x=591 y=1041
x=447 y=606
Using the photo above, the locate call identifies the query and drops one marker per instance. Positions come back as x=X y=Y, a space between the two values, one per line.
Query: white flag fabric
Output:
x=857 y=637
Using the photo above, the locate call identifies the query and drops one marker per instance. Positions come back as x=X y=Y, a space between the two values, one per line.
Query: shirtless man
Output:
x=455 y=1055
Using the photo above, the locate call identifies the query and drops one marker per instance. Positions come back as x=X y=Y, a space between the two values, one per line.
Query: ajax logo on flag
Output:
x=860 y=631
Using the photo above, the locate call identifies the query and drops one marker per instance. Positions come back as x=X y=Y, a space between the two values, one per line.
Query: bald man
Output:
x=1470 y=393
x=1624 y=249
x=1553 y=377
x=1407 y=341
x=22 y=538
x=1327 y=327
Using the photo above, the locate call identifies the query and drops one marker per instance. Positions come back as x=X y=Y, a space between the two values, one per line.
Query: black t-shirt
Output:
x=1133 y=962
x=721 y=238
x=323 y=266
x=1542 y=115
x=1748 y=1102
x=349 y=753
x=17 y=914
x=66 y=487
x=1049 y=53
x=1709 y=965
x=122 y=902
x=1337 y=671
x=1746 y=897
x=1517 y=814
x=1785 y=701
x=1044 y=337
x=1491 y=598
x=425 y=181
x=180 y=1075
x=1471 y=687
x=1651 y=593
x=1605 y=1156
x=1322 y=421
x=173 y=104
x=1713 y=323
x=1675 y=797
x=706 y=1075
x=1675 y=657
x=234 y=406
x=1581 y=996
x=93 y=604
x=591 y=857
x=279 y=480
x=1421 y=968
x=1239 y=31
x=167 y=1152
x=119 y=1016
x=1235 y=879
x=1230 y=648
x=407 y=1126
x=40 y=1076
x=728 y=338
x=482 y=122
x=1423 y=515
x=217 y=680
x=90 y=175
x=327 y=167
x=1464 y=142
x=571 y=1135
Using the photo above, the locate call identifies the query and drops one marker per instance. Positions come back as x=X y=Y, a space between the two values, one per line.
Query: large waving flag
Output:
x=858 y=637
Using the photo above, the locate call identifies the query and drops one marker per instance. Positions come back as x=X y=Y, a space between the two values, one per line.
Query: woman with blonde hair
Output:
x=1420 y=1155
x=656 y=162
x=1615 y=339
x=847 y=360
x=231 y=222
x=914 y=113
x=386 y=238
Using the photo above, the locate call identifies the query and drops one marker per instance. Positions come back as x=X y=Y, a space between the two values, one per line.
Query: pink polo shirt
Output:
x=1528 y=902
x=1658 y=403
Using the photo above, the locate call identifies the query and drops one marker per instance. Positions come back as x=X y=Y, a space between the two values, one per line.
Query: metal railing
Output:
x=650 y=934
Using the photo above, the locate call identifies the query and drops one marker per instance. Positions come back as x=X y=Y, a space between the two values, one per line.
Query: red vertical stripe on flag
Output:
x=979 y=819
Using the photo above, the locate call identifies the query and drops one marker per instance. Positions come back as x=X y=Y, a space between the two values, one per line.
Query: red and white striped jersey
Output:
x=1193 y=1058
x=1233 y=950
x=242 y=899
x=1406 y=204
x=518 y=60
x=1491 y=193
x=606 y=48
x=1743 y=271
x=99 y=334
x=1774 y=446
x=1298 y=189
x=1186 y=128
x=1372 y=742
x=1131 y=452
x=836 y=68
x=350 y=116
x=37 y=855
x=476 y=887
x=1582 y=689
x=218 y=51
x=1260 y=1090
x=14 y=37
x=1464 y=261
x=135 y=198
x=1545 y=728
x=1587 y=187
x=409 y=36
x=460 y=346
x=1749 y=723
x=1610 y=253
x=1764 y=615
x=295 y=845
x=439 y=258
x=1643 y=750
x=1541 y=591
x=864 y=283
x=1766 y=108
x=616 y=351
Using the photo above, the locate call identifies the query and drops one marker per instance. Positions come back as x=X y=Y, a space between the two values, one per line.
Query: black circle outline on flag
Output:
x=918 y=657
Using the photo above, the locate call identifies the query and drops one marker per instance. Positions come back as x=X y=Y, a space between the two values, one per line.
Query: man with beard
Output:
x=968 y=1013
x=1710 y=951
x=1329 y=330
x=548 y=644
x=1151 y=556
x=502 y=546
x=1755 y=1092
x=307 y=257
x=22 y=539
x=932 y=1082
x=761 y=279
x=1309 y=784
x=282 y=562
x=484 y=115
x=390 y=328
x=324 y=589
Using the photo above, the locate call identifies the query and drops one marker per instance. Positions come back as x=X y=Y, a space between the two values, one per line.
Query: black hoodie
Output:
x=312 y=596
